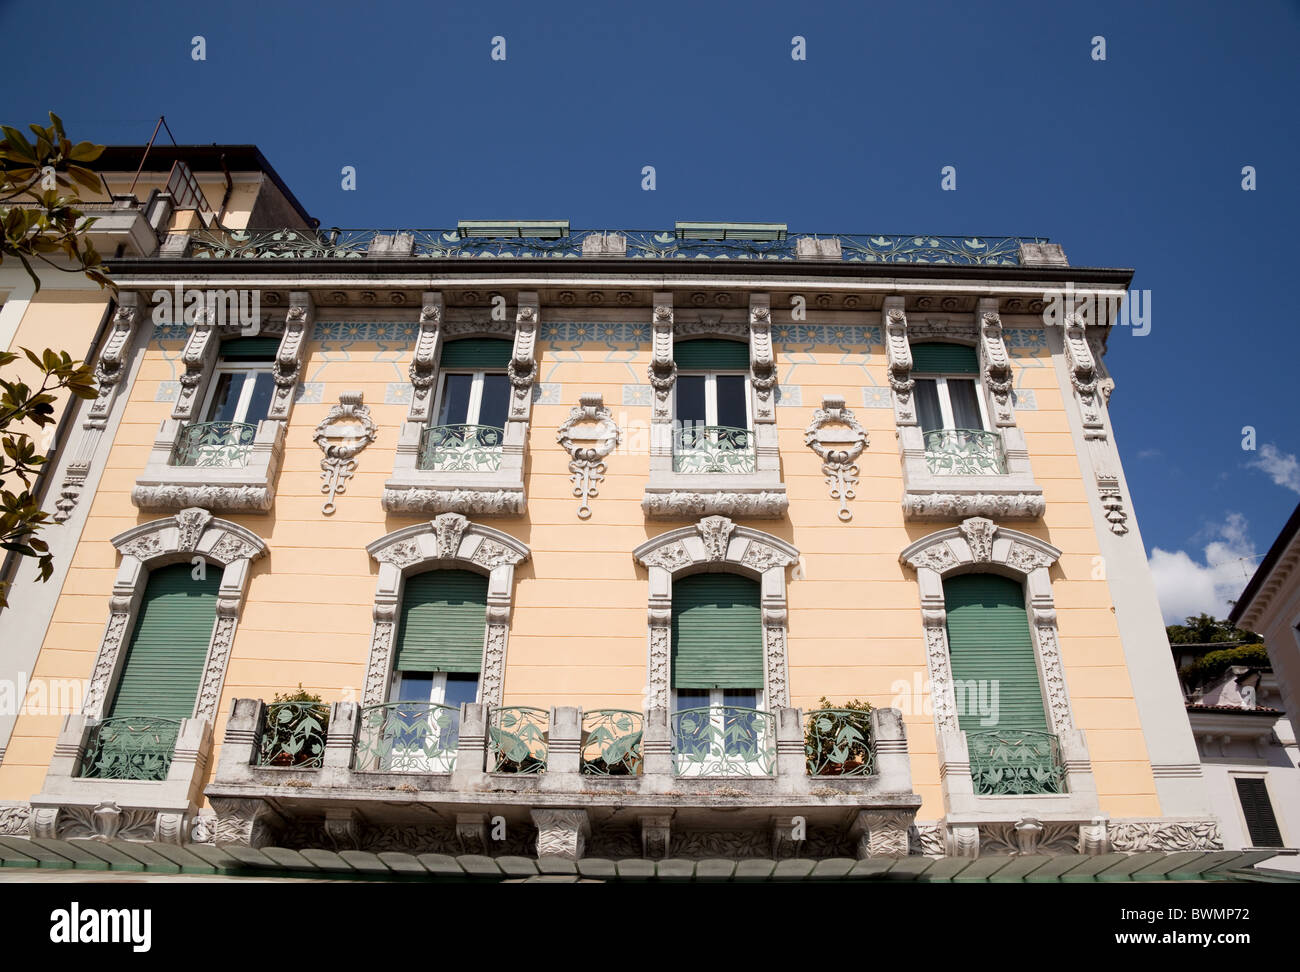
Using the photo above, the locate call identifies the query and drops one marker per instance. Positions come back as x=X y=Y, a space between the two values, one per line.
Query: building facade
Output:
x=583 y=543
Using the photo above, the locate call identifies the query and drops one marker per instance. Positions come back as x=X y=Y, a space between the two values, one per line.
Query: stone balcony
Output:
x=517 y=780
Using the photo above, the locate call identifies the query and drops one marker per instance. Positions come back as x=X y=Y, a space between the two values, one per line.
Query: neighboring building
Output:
x=1248 y=746
x=571 y=531
x=1270 y=606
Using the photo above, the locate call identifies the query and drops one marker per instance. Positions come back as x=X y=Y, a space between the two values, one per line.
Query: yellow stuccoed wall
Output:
x=578 y=634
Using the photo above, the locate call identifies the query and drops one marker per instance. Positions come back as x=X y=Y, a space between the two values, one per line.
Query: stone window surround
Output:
x=500 y=493
x=672 y=495
x=715 y=544
x=449 y=541
x=191 y=533
x=74 y=806
x=978 y=545
x=245 y=489
x=1014 y=495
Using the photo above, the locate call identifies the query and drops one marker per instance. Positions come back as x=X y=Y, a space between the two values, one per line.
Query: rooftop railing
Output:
x=445 y=244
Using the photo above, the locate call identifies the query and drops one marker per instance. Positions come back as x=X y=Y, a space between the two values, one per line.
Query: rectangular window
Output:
x=949 y=403
x=474 y=398
x=713 y=419
x=1256 y=807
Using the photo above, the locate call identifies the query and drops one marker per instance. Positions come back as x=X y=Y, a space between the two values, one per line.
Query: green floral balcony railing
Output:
x=407 y=737
x=713 y=449
x=517 y=739
x=294 y=735
x=965 y=452
x=723 y=741
x=220 y=444
x=1015 y=761
x=461 y=448
x=838 y=742
x=611 y=742
x=130 y=748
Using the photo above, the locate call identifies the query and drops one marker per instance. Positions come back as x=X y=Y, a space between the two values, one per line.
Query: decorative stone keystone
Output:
x=882 y=833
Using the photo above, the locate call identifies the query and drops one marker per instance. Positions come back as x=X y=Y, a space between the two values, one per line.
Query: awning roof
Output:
x=98 y=856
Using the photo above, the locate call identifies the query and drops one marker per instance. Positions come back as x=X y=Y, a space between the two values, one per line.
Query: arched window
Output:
x=169 y=645
x=717 y=673
x=440 y=638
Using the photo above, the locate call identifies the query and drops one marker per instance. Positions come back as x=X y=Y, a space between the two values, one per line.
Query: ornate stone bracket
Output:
x=289 y=356
x=1092 y=388
x=662 y=371
x=762 y=364
x=838 y=440
x=424 y=363
x=588 y=447
x=899 y=352
x=522 y=369
x=450 y=540
x=997 y=365
x=191 y=533
x=712 y=544
x=342 y=434
x=108 y=373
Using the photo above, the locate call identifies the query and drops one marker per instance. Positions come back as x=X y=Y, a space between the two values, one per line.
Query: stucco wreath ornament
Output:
x=341 y=435
x=838 y=440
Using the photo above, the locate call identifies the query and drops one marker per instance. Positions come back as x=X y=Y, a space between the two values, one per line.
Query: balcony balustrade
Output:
x=713 y=449
x=130 y=748
x=724 y=740
x=461 y=448
x=517 y=738
x=407 y=737
x=1015 y=761
x=224 y=445
x=294 y=735
x=611 y=742
x=964 y=452
x=838 y=743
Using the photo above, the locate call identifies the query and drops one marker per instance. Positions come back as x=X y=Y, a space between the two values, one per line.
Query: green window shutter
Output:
x=486 y=353
x=717 y=632
x=444 y=617
x=944 y=359
x=711 y=354
x=250 y=349
x=990 y=644
x=164 y=664
x=1255 y=806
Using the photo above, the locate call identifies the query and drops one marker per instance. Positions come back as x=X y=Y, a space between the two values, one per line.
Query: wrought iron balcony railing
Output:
x=713 y=449
x=723 y=740
x=219 y=444
x=517 y=739
x=294 y=735
x=438 y=244
x=838 y=742
x=461 y=448
x=965 y=452
x=1015 y=761
x=130 y=748
x=407 y=737
x=611 y=742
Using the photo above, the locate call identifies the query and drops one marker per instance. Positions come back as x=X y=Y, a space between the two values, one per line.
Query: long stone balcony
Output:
x=420 y=777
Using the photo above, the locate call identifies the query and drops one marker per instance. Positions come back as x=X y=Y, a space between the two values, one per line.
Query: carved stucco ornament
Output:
x=342 y=435
x=838 y=440
x=588 y=435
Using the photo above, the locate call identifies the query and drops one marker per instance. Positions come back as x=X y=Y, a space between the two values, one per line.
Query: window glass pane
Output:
x=690 y=400
x=928 y=412
x=731 y=401
x=260 y=402
x=747 y=698
x=692 y=698
x=460 y=688
x=495 y=404
x=225 y=398
x=455 y=400
x=965 y=403
x=741 y=729
x=414 y=687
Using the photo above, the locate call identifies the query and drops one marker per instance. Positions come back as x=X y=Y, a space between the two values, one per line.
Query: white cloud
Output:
x=1282 y=467
x=1186 y=586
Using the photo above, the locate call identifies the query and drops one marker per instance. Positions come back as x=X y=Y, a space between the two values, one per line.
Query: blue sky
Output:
x=1134 y=161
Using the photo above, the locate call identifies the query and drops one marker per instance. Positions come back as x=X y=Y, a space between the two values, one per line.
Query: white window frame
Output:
x=475 y=406
x=717 y=720
x=711 y=396
x=438 y=691
x=945 y=402
x=417 y=759
x=245 y=393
